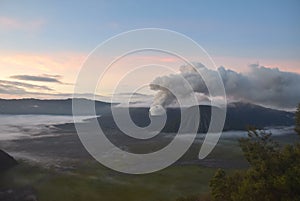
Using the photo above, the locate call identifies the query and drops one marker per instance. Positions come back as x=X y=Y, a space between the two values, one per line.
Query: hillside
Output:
x=47 y=107
x=239 y=116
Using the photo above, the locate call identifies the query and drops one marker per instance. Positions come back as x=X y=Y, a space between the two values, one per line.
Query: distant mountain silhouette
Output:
x=140 y=116
x=48 y=107
x=239 y=114
x=239 y=117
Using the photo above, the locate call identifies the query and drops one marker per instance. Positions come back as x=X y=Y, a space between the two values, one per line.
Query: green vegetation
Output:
x=88 y=180
x=274 y=172
x=94 y=182
x=297 y=127
x=272 y=168
x=270 y=172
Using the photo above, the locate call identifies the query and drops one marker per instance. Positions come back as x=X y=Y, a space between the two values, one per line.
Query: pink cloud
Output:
x=66 y=64
x=46 y=62
x=13 y=24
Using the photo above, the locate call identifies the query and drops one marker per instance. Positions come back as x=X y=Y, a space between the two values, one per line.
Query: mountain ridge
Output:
x=237 y=118
x=47 y=106
x=239 y=114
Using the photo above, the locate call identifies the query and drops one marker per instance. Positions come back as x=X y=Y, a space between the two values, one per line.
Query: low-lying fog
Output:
x=34 y=138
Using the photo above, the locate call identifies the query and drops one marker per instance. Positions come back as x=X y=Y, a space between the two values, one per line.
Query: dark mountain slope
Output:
x=50 y=107
x=239 y=116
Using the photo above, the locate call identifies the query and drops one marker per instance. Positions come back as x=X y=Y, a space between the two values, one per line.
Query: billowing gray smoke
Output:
x=265 y=86
x=180 y=86
x=261 y=85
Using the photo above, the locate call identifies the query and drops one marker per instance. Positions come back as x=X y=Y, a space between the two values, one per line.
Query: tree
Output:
x=274 y=172
x=297 y=127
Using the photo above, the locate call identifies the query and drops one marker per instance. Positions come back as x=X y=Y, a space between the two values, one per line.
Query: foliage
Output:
x=90 y=181
x=204 y=197
x=297 y=127
x=274 y=172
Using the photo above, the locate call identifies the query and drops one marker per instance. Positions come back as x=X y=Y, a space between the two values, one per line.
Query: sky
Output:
x=44 y=43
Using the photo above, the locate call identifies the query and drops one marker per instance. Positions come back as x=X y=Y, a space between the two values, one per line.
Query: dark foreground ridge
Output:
x=13 y=194
x=6 y=161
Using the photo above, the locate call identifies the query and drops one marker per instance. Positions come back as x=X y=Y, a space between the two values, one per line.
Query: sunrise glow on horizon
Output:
x=43 y=45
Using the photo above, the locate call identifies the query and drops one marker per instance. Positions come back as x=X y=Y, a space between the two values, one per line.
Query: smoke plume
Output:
x=261 y=85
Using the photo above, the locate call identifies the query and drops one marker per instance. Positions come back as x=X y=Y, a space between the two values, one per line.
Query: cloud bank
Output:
x=261 y=85
x=24 y=85
x=40 y=78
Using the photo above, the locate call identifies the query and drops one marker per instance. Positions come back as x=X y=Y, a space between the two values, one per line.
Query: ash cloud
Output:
x=261 y=85
x=181 y=85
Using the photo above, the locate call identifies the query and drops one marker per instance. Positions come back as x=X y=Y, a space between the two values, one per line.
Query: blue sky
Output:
x=40 y=38
x=229 y=28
